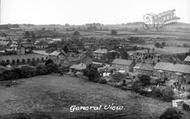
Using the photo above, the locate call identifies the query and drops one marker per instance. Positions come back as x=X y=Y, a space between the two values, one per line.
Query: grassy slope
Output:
x=56 y=94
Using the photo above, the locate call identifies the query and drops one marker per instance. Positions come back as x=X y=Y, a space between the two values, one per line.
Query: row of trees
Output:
x=160 y=45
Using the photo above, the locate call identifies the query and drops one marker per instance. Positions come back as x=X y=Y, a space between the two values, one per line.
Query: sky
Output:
x=88 y=11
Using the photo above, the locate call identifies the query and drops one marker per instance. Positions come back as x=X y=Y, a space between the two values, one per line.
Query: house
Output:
x=41 y=45
x=78 y=67
x=172 y=70
x=126 y=65
x=178 y=103
x=57 y=56
x=143 y=68
x=100 y=54
x=4 y=41
x=187 y=60
x=29 y=46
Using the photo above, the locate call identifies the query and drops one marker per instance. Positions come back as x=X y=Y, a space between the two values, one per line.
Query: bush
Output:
x=41 y=70
x=27 y=71
x=136 y=86
x=165 y=94
x=102 y=81
x=144 y=79
x=113 y=32
x=52 y=68
x=7 y=75
x=168 y=94
x=171 y=113
x=92 y=73
x=118 y=76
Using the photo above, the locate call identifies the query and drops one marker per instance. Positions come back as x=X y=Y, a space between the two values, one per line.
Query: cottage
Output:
x=57 y=56
x=143 y=68
x=126 y=65
x=172 y=70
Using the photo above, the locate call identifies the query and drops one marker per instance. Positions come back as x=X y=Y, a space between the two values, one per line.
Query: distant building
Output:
x=187 y=60
x=22 y=59
x=100 y=54
x=143 y=68
x=41 y=45
x=126 y=65
x=78 y=67
x=4 y=41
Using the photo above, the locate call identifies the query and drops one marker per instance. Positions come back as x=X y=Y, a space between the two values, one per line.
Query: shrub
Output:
x=145 y=80
x=52 y=68
x=102 y=81
x=168 y=94
x=118 y=76
x=28 y=71
x=171 y=113
x=7 y=75
x=41 y=70
x=165 y=93
x=113 y=32
x=92 y=73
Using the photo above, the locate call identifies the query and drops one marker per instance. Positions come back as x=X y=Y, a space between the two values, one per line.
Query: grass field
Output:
x=55 y=94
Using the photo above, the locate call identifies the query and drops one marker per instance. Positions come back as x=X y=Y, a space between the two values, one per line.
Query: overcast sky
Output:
x=88 y=11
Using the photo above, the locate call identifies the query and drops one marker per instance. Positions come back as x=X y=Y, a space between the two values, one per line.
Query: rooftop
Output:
x=80 y=66
x=122 y=62
x=103 y=51
x=144 y=66
x=187 y=59
x=181 y=68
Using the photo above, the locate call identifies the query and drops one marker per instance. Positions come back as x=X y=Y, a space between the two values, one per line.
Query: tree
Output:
x=66 y=49
x=92 y=73
x=168 y=94
x=76 y=33
x=118 y=76
x=49 y=61
x=123 y=53
x=145 y=80
x=163 y=44
x=158 y=45
x=113 y=32
x=171 y=113
x=27 y=34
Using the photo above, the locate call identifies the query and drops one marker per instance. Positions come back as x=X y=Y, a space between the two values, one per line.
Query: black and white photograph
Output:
x=94 y=59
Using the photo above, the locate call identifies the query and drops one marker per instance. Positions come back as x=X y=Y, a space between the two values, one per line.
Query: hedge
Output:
x=28 y=71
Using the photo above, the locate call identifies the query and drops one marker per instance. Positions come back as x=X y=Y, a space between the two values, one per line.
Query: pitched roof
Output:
x=173 y=67
x=103 y=51
x=80 y=66
x=187 y=59
x=144 y=66
x=122 y=62
x=41 y=52
x=55 y=53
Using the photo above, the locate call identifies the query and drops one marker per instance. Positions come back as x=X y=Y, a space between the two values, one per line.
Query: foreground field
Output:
x=56 y=94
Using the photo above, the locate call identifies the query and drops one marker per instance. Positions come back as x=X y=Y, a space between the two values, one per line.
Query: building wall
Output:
x=144 y=72
x=125 y=67
x=22 y=59
x=172 y=75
